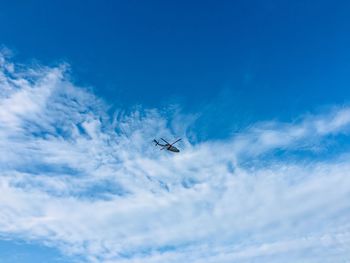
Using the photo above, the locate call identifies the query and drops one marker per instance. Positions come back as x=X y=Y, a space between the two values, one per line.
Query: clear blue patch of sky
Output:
x=12 y=251
x=234 y=61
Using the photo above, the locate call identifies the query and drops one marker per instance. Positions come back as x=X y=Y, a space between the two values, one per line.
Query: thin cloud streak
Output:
x=73 y=178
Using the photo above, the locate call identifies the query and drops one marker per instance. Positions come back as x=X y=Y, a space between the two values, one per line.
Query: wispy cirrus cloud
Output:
x=74 y=178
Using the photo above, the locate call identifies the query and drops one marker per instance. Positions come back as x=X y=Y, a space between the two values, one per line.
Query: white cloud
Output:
x=74 y=179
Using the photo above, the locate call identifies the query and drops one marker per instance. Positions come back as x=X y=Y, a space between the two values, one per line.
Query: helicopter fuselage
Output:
x=169 y=147
x=172 y=148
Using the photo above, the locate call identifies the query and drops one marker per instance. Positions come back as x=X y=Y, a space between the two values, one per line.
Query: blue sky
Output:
x=252 y=58
x=258 y=90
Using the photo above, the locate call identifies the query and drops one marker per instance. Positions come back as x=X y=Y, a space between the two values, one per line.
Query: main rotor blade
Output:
x=165 y=141
x=175 y=141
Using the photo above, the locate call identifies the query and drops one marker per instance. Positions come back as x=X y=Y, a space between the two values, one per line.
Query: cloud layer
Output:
x=94 y=186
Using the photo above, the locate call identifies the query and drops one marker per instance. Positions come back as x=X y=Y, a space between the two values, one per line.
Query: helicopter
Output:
x=168 y=146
